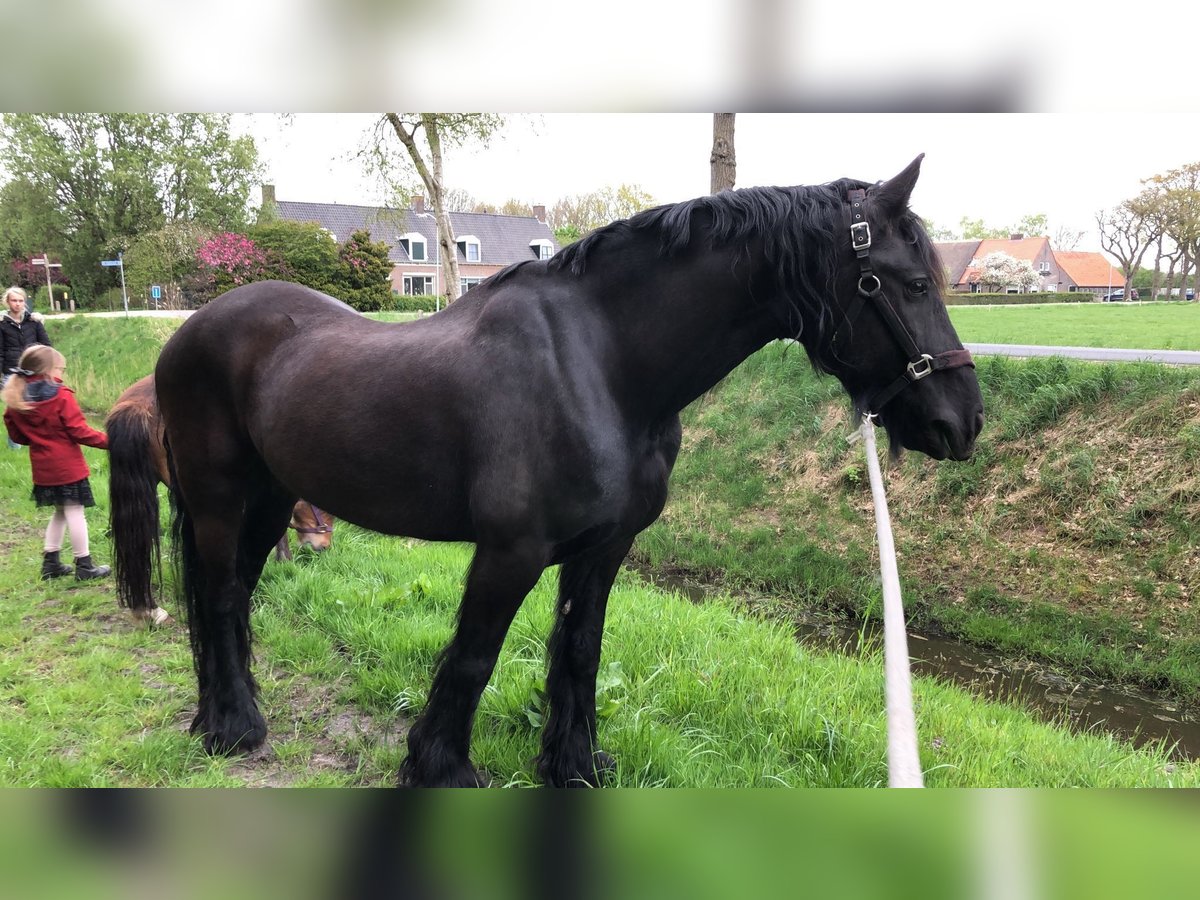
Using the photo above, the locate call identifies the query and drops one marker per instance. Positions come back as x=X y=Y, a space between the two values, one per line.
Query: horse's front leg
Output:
x=439 y=741
x=569 y=756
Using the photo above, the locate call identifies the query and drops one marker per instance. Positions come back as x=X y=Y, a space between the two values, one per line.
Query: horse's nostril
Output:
x=978 y=422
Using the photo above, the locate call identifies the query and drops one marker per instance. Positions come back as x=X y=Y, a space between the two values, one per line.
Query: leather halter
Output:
x=322 y=527
x=871 y=288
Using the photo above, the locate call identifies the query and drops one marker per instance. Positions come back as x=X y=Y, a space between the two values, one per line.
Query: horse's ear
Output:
x=893 y=194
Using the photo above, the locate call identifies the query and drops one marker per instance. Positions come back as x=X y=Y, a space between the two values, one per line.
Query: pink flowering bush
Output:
x=227 y=260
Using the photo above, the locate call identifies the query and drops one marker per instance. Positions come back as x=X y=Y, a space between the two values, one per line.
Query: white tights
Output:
x=68 y=518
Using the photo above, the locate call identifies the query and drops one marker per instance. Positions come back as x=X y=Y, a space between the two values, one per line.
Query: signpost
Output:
x=119 y=262
x=155 y=294
x=44 y=260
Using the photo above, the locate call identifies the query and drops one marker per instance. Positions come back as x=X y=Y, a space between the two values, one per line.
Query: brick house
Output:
x=1059 y=270
x=1090 y=272
x=486 y=242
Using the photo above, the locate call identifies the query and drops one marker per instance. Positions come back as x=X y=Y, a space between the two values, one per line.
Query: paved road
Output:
x=1095 y=354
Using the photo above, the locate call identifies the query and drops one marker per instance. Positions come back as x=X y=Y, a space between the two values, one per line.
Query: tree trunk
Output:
x=449 y=247
x=723 y=163
x=432 y=179
x=1158 y=255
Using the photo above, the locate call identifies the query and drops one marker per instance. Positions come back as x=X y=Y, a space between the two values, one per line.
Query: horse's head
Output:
x=313 y=526
x=894 y=348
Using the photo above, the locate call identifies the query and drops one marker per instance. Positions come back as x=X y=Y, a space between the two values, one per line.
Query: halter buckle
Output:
x=860 y=236
x=918 y=369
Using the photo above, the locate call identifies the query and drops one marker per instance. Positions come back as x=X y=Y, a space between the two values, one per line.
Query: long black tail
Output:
x=185 y=561
x=133 y=506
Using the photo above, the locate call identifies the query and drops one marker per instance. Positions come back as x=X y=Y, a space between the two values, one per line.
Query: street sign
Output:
x=110 y=262
x=156 y=292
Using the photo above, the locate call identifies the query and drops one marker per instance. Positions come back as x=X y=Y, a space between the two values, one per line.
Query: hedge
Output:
x=422 y=303
x=954 y=299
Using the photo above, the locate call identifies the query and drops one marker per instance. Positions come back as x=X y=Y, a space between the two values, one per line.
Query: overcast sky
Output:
x=998 y=167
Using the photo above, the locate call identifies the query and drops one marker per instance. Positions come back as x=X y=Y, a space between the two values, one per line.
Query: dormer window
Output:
x=468 y=245
x=414 y=245
x=542 y=248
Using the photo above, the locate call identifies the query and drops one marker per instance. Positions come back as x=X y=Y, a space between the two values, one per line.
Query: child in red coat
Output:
x=42 y=412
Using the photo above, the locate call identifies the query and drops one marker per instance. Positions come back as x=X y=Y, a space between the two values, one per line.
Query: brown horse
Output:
x=138 y=464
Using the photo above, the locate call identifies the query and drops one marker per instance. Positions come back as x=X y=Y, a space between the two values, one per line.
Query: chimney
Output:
x=539 y=213
x=1016 y=237
x=268 y=194
x=418 y=205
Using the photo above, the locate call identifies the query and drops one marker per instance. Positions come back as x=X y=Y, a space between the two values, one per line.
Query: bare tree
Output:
x=1151 y=203
x=440 y=130
x=1127 y=232
x=723 y=162
x=1065 y=238
x=583 y=213
x=1178 y=198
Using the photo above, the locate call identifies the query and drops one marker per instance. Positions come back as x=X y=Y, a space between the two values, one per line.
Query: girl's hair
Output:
x=20 y=292
x=38 y=359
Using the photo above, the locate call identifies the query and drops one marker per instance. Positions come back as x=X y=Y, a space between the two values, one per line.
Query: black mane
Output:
x=798 y=228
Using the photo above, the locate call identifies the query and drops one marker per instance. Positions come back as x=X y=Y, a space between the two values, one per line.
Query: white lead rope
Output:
x=904 y=762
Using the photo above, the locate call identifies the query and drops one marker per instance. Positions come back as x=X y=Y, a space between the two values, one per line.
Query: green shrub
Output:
x=424 y=303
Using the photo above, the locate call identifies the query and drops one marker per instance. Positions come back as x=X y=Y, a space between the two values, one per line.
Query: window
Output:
x=465 y=284
x=1044 y=267
x=418 y=285
x=542 y=248
x=469 y=245
x=414 y=245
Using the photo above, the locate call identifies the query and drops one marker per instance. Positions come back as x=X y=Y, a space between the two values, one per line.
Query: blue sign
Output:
x=155 y=292
x=110 y=262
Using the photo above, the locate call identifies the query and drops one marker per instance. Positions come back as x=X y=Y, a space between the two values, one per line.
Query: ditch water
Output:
x=1138 y=717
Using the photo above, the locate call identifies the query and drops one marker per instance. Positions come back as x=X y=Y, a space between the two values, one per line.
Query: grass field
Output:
x=691 y=695
x=1149 y=326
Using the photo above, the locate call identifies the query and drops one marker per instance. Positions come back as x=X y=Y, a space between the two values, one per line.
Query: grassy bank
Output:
x=692 y=696
x=1070 y=537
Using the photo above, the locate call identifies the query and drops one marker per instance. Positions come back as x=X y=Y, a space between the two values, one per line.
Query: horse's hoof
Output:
x=234 y=735
x=465 y=776
x=602 y=768
x=606 y=766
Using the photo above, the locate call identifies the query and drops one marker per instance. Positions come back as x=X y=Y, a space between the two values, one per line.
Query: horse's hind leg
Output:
x=232 y=515
x=268 y=511
x=439 y=741
x=219 y=618
x=569 y=756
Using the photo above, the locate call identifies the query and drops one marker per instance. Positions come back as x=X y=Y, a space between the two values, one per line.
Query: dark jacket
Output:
x=15 y=336
x=53 y=427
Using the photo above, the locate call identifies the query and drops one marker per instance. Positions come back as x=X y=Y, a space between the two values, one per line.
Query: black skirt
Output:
x=77 y=493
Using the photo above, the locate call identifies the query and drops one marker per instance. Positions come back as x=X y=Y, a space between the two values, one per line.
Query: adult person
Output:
x=20 y=327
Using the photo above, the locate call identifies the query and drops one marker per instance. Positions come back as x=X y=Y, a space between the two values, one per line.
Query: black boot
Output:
x=84 y=570
x=52 y=568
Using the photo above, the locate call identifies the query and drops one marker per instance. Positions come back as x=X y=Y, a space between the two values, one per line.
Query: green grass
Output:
x=694 y=695
x=708 y=695
x=1149 y=326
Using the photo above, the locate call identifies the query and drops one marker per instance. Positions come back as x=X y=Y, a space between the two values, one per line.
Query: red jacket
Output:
x=53 y=428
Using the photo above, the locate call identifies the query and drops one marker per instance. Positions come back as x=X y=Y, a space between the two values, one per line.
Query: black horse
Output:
x=536 y=417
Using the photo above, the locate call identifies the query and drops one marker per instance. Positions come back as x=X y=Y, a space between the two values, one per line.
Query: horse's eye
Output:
x=918 y=286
